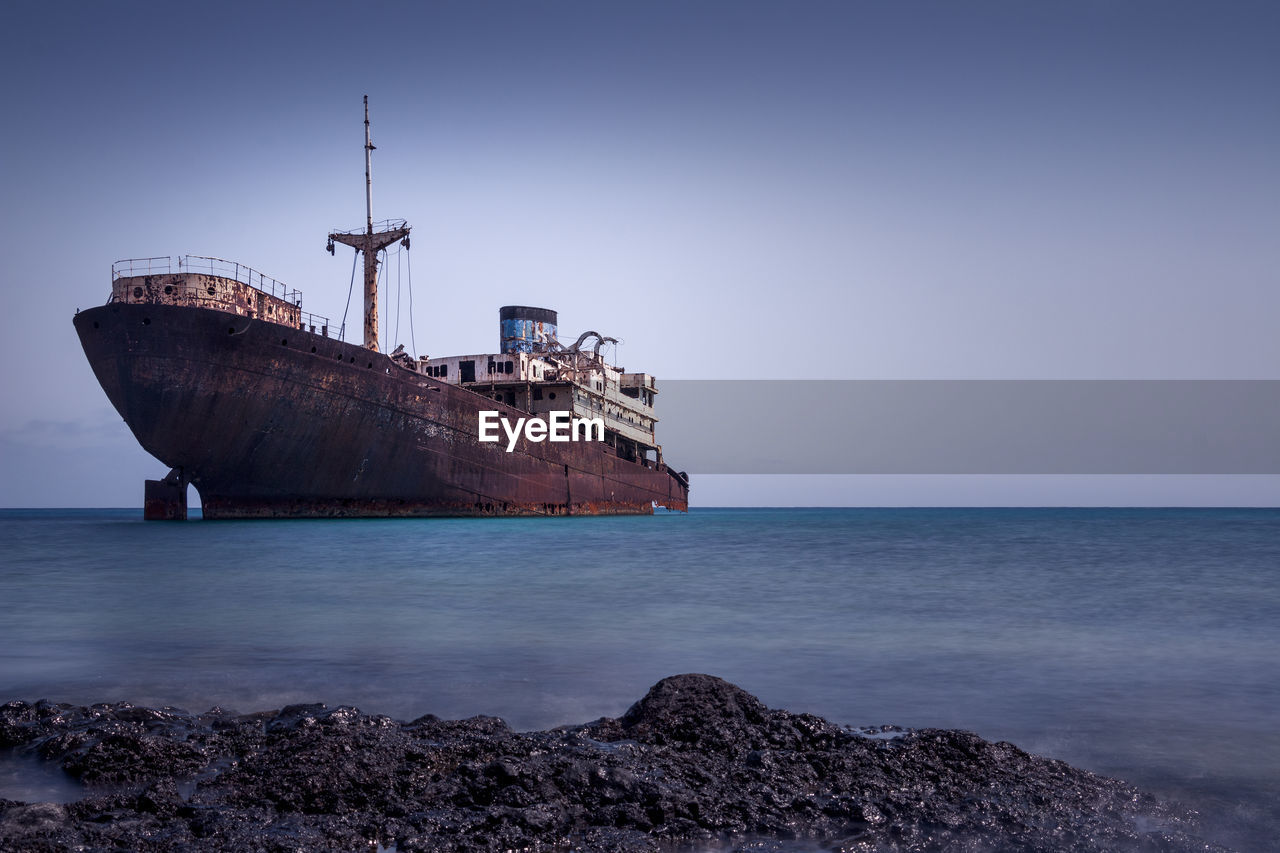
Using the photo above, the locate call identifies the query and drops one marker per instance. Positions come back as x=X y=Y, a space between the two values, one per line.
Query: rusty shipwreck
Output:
x=269 y=413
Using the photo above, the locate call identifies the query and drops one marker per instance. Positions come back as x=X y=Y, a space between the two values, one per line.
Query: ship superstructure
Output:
x=535 y=373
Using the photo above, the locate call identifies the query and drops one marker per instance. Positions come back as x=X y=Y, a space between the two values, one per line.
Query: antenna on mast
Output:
x=368 y=170
x=370 y=243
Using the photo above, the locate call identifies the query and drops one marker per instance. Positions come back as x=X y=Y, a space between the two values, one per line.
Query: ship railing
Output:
x=317 y=325
x=130 y=267
x=213 y=266
x=378 y=227
x=241 y=273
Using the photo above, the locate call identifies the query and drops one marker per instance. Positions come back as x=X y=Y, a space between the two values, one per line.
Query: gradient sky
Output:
x=734 y=189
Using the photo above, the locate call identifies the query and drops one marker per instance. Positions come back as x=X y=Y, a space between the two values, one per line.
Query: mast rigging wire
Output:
x=408 y=265
x=350 y=287
x=383 y=287
x=398 y=278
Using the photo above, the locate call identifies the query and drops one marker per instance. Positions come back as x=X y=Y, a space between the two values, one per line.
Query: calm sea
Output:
x=1143 y=644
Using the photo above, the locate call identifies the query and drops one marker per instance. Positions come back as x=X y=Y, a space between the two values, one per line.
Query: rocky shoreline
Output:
x=697 y=763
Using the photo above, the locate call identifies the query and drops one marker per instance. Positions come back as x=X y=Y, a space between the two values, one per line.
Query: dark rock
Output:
x=696 y=761
x=35 y=819
x=698 y=711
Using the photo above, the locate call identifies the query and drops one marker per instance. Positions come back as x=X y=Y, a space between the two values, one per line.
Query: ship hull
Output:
x=268 y=421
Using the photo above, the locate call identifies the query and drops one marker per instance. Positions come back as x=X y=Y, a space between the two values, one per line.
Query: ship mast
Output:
x=370 y=242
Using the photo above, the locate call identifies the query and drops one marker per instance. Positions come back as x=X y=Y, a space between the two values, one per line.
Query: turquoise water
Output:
x=1143 y=644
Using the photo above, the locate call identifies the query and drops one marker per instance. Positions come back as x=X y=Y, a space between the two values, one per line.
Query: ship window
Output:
x=137 y=293
x=467 y=371
x=444 y=370
x=211 y=290
x=491 y=366
x=509 y=370
x=552 y=395
x=284 y=342
x=168 y=288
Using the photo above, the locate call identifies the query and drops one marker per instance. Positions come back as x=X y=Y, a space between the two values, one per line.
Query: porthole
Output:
x=137 y=293
x=338 y=356
x=313 y=349
x=211 y=291
x=146 y=321
x=369 y=365
x=551 y=395
x=284 y=342
x=353 y=359
x=168 y=288
x=95 y=324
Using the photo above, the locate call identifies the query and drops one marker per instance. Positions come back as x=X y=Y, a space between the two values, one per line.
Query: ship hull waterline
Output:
x=268 y=421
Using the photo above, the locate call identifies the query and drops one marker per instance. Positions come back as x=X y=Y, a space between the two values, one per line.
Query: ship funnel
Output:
x=525 y=329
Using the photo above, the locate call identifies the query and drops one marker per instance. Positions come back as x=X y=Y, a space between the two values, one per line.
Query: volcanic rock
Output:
x=697 y=763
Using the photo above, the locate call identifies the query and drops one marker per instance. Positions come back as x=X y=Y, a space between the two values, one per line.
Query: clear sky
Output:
x=735 y=189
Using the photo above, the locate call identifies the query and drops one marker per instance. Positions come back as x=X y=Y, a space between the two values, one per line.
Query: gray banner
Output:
x=971 y=426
